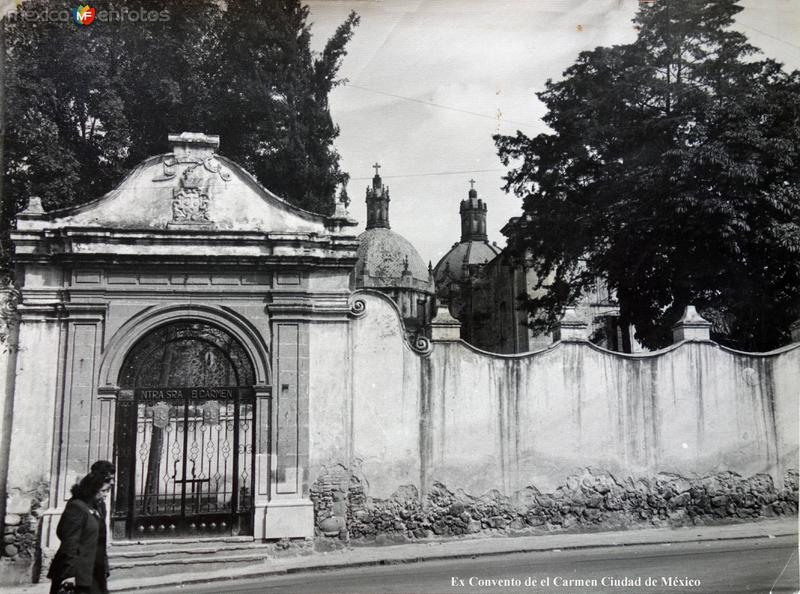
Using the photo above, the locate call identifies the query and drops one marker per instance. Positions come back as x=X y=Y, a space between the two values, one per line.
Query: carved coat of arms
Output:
x=211 y=413
x=193 y=197
x=161 y=415
x=190 y=205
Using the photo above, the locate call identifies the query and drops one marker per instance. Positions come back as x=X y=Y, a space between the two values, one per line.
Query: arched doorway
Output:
x=184 y=434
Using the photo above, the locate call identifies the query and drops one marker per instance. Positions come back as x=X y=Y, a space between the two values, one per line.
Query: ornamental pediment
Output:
x=191 y=188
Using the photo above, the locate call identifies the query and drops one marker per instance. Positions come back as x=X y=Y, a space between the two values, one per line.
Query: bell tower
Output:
x=473 y=216
x=377 y=203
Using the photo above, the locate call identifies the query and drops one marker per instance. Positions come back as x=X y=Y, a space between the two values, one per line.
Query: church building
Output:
x=460 y=281
x=482 y=285
x=387 y=262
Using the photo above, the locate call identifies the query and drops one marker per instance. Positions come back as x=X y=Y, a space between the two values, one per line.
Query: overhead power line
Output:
x=494 y=118
x=432 y=174
x=765 y=34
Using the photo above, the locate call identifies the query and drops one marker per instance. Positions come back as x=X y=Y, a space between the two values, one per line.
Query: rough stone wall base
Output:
x=592 y=501
x=21 y=552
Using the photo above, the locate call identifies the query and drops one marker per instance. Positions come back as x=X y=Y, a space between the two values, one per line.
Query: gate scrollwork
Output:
x=184 y=441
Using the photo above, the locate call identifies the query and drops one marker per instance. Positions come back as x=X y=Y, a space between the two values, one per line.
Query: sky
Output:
x=430 y=82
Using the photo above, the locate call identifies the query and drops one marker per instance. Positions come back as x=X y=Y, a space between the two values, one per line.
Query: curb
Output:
x=422 y=558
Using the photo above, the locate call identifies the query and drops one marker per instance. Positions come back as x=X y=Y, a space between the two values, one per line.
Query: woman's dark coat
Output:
x=82 y=553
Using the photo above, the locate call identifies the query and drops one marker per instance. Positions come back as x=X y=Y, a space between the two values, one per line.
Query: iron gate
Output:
x=185 y=454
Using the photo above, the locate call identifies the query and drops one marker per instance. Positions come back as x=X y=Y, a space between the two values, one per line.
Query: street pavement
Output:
x=750 y=557
x=764 y=565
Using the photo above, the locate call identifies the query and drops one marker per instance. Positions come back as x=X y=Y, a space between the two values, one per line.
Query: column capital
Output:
x=262 y=391
x=108 y=392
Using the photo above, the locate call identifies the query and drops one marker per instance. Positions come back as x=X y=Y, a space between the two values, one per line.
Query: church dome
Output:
x=387 y=259
x=456 y=264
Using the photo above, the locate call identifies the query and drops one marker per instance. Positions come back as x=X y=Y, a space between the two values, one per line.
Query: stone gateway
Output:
x=167 y=327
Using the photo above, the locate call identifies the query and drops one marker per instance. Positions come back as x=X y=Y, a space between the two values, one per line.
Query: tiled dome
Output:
x=454 y=265
x=386 y=259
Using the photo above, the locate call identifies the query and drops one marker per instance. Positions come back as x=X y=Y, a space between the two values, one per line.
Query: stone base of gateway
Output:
x=284 y=518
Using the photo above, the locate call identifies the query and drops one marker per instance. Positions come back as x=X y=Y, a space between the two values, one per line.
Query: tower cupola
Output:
x=377 y=203
x=473 y=216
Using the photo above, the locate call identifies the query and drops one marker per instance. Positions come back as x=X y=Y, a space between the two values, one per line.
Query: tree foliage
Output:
x=86 y=103
x=670 y=171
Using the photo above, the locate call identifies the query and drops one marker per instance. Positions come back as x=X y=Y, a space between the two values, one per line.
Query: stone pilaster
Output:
x=32 y=427
x=263 y=438
x=288 y=512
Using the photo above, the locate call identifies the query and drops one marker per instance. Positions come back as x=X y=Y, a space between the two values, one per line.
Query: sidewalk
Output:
x=452 y=549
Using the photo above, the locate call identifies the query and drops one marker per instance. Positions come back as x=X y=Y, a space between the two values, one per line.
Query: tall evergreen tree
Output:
x=84 y=104
x=671 y=171
x=274 y=96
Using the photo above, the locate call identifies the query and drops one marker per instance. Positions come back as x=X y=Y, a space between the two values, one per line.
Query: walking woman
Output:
x=81 y=559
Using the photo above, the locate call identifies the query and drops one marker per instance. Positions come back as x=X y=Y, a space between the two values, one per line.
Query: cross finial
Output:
x=376 y=166
x=472 y=184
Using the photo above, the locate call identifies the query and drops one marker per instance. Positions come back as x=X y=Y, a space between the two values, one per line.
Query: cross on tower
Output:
x=376 y=166
x=472 y=184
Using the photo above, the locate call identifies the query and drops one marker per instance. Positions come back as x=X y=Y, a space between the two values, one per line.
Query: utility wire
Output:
x=765 y=34
x=438 y=105
x=431 y=174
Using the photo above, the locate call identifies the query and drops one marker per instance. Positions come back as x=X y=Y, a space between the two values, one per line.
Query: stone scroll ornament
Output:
x=358 y=308
x=421 y=345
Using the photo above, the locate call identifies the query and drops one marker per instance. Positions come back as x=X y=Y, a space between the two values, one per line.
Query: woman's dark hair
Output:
x=105 y=468
x=89 y=487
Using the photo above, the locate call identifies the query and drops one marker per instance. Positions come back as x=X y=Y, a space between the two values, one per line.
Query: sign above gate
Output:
x=216 y=393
